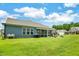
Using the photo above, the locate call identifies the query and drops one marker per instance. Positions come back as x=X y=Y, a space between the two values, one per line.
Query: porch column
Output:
x=30 y=31
x=40 y=32
x=47 y=33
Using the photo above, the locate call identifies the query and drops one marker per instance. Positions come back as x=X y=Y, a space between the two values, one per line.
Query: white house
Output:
x=61 y=32
x=74 y=30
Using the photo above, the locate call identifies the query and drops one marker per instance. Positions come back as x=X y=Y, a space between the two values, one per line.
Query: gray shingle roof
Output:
x=12 y=21
x=74 y=29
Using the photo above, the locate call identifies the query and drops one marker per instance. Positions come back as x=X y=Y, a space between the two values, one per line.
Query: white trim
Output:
x=32 y=31
x=27 y=31
x=47 y=33
x=23 y=31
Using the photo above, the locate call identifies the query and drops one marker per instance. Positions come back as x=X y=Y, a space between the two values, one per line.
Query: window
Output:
x=31 y=31
x=24 y=31
x=28 y=31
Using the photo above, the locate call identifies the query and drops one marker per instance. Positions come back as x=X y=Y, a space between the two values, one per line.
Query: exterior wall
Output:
x=17 y=30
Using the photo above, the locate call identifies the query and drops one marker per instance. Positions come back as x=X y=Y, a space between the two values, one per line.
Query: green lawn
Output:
x=49 y=46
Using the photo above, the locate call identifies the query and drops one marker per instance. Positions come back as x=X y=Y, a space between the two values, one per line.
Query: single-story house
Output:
x=26 y=28
x=74 y=30
x=61 y=32
x=0 y=32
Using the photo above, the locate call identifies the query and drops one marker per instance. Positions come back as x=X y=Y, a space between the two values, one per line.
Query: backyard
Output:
x=46 y=46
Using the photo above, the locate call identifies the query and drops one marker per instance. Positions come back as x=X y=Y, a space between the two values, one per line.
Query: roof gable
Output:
x=12 y=21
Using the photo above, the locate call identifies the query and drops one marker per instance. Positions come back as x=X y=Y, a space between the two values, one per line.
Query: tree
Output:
x=66 y=26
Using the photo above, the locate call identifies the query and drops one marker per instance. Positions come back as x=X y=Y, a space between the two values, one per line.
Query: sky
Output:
x=45 y=13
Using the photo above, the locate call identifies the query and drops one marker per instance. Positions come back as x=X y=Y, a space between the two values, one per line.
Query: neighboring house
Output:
x=26 y=28
x=61 y=32
x=0 y=32
x=74 y=30
x=54 y=33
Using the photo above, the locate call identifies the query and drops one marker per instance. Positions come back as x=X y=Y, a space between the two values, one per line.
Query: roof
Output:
x=61 y=31
x=11 y=21
x=74 y=29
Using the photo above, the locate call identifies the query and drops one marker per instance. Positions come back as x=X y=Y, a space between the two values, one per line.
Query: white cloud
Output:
x=59 y=17
x=75 y=15
x=69 y=11
x=66 y=17
x=14 y=16
x=31 y=12
x=45 y=8
x=52 y=16
x=71 y=4
x=3 y=13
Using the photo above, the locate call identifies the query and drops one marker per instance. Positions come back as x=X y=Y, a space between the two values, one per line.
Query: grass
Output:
x=49 y=46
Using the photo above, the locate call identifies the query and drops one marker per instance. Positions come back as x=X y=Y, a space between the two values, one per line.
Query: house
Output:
x=0 y=32
x=61 y=32
x=74 y=30
x=25 y=28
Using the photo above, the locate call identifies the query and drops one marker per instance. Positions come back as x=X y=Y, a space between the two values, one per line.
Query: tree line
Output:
x=66 y=26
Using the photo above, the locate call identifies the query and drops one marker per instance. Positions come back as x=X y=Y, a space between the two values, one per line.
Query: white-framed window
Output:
x=32 y=31
x=28 y=31
x=24 y=31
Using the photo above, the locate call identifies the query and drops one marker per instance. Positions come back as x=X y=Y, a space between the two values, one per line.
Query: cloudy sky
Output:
x=44 y=13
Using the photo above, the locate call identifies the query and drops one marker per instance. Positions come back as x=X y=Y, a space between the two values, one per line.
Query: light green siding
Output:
x=17 y=30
